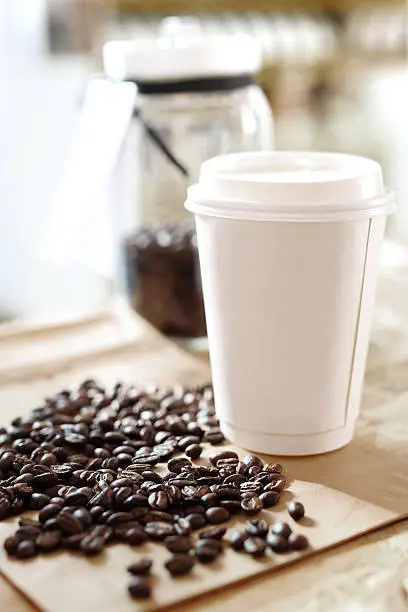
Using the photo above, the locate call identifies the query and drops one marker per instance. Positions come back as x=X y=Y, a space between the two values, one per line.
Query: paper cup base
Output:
x=270 y=444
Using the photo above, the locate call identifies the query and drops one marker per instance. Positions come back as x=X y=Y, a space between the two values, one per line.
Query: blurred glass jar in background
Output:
x=196 y=99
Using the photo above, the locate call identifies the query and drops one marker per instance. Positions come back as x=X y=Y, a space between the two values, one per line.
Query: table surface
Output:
x=369 y=574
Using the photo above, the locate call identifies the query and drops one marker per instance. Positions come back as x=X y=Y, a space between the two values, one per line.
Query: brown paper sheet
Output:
x=346 y=493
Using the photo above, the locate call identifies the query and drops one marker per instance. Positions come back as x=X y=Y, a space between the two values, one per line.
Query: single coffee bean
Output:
x=48 y=540
x=159 y=500
x=237 y=539
x=196 y=521
x=255 y=546
x=117 y=518
x=139 y=588
x=232 y=505
x=269 y=498
x=92 y=545
x=134 y=536
x=141 y=567
x=209 y=543
x=224 y=455
x=38 y=501
x=206 y=554
x=296 y=510
x=251 y=505
x=278 y=543
x=25 y=549
x=69 y=524
x=252 y=460
x=159 y=530
x=215 y=533
x=194 y=451
x=278 y=484
x=178 y=565
x=281 y=529
x=298 y=541
x=10 y=544
x=215 y=516
x=257 y=528
x=178 y=544
x=183 y=527
x=210 y=500
x=176 y=465
x=83 y=515
x=214 y=436
x=275 y=468
x=235 y=479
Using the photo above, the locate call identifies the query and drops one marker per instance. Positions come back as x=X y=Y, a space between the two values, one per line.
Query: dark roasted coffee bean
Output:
x=141 y=567
x=215 y=533
x=251 y=487
x=80 y=497
x=194 y=451
x=10 y=544
x=176 y=465
x=4 y=507
x=215 y=516
x=257 y=527
x=178 y=544
x=92 y=545
x=69 y=524
x=48 y=540
x=255 y=546
x=83 y=515
x=223 y=455
x=232 y=505
x=278 y=543
x=25 y=549
x=214 y=436
x=43 y=481
x=251 y=505
x=275 y=468
x=72 y=542
x=277 y=484
x=206 y=553
x=296 y=510
x=38 y=501
x=159 y=530
x=28 y=532
x=159 y=500
x=269 y=498
x=252 y=460
x=254 y=470
x=178 y=565
x=227 y=491
x=298 y=541
x=139 y=588
x=183 y=527
x=196 y=521
x=134 y=536
x=281 y=529
x=203 y=490
x=117 y=518
x=210 y=500
x=157 y=515
x=235 y=479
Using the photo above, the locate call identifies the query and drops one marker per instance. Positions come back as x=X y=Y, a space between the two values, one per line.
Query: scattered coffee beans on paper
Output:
x=93 y=463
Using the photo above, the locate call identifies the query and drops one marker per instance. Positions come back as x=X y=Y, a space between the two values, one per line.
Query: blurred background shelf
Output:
x=188 y=6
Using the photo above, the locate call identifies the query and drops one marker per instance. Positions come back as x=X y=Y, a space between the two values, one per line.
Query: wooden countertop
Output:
x=370 y=573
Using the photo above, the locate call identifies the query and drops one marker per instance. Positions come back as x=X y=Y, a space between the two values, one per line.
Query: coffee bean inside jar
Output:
x=163 y=279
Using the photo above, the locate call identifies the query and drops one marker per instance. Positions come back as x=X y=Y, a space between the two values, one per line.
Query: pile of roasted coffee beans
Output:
x=93 y=463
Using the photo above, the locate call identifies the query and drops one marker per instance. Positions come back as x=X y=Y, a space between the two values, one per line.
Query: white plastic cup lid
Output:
x=290 y=186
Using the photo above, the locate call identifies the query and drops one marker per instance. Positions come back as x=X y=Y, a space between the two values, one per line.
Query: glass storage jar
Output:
x=197 y=99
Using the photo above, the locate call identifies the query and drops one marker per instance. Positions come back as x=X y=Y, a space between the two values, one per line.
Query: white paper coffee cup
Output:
x=288 y=246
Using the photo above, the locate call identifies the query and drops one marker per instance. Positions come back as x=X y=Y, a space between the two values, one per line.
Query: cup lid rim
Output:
x=290 y=185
